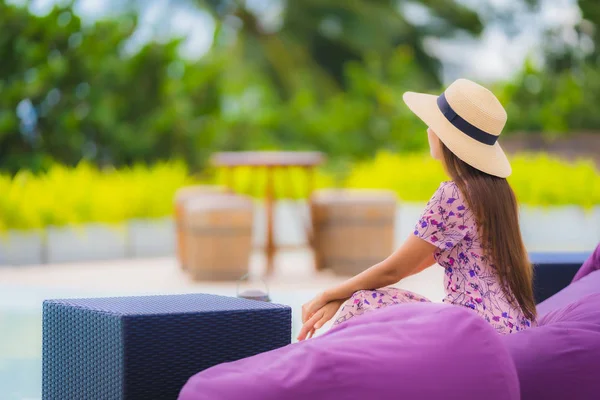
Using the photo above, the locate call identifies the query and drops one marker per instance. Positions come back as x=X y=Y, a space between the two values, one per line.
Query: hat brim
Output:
x=489 y=159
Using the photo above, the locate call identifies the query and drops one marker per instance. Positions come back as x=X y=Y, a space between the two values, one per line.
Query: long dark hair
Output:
x=496 y=211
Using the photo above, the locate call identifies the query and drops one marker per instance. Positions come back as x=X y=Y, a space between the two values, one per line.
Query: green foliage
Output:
x=351 y=124
x=329 y=77
x=71 y=196
x=322 y=36
x=72 y=92
x=555 y=104
x=83 y=95
x=563 y=94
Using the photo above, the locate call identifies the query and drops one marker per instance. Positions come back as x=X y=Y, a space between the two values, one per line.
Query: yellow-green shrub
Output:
x=71 y=196
x=541 y=180
x=19 y=207
x=537 y=179
x=290 y=183
x=412 y=177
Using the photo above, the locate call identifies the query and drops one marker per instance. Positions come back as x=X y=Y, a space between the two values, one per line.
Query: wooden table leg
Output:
x=269 y=210
x=310 y=187
x=310 y=233
x=230 y=179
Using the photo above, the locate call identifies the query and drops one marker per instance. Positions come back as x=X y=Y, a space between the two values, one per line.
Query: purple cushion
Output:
x=586 y=285
x=590 y=265
x=560 y=358
x=412 y=351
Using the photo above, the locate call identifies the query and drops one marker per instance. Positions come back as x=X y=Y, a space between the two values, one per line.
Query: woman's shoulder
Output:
x=449 y=196
x=444 y=222
x=448 y=190
x=447 y=184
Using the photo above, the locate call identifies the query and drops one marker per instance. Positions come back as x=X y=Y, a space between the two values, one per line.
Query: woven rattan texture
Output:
x=147 y=347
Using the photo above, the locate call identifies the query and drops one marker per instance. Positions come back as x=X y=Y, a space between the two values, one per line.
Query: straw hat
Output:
x=468 y=119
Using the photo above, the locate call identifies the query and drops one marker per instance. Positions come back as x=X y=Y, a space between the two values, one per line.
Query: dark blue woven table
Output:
x=147 y=347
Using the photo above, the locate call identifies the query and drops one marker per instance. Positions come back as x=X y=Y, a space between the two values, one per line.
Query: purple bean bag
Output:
x=410 y=351
x=584 y=286
x=592 y=264
x=560 y=359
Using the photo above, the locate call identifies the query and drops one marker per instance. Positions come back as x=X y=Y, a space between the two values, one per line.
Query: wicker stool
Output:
x=182 y=196
x=130 y=348
x=218 y=231
x=353 y=229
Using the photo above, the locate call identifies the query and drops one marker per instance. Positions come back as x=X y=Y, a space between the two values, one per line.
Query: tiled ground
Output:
x=294 y=272
x=23 y=289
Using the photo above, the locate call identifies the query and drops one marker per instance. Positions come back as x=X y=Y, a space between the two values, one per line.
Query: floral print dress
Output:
x=470 y=278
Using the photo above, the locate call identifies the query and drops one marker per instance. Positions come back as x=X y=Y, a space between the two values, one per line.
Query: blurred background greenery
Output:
x=297 y=74
x=91 y=86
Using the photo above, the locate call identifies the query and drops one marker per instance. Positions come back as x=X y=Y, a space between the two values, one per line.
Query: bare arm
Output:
x=429 y=261
x=412 y=257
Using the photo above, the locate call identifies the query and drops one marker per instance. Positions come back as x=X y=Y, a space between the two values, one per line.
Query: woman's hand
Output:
x=313 y=306
x=318 y=318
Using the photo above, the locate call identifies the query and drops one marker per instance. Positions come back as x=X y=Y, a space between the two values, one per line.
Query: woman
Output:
x=470 y=226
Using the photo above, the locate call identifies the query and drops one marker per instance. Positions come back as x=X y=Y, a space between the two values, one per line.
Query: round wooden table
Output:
x=270 y=161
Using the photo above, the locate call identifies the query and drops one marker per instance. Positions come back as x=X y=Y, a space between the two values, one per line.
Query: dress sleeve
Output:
x=445 y=221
